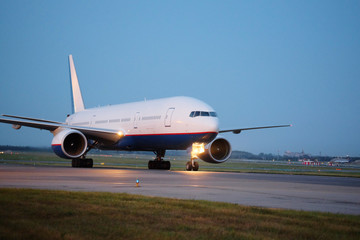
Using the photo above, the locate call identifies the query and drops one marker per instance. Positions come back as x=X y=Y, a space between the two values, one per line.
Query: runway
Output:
x=310 y=193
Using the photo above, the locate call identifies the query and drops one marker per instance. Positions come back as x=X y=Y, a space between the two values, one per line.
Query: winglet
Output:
x=77 y=101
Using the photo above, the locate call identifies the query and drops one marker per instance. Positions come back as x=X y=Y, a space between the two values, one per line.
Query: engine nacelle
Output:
x=218 y=151
x=69 y=143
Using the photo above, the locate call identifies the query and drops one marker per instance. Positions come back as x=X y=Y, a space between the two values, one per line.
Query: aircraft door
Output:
x=136 y=120
x=168 y=117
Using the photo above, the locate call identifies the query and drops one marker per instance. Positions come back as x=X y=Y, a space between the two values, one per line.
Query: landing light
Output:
x=120 y=133
x=197 y=148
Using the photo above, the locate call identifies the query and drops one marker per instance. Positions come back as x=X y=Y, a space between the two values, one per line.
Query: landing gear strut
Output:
x=158 y=162
x=192 y=165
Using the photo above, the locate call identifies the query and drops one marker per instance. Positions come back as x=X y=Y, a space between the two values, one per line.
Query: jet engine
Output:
x=218 y=151
x=69 y=143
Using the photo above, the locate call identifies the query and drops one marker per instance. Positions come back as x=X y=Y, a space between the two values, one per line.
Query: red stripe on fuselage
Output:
x=164 y=134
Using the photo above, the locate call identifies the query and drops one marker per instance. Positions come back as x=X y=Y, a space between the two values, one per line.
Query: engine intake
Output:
x=69 y=143
x=218 y=151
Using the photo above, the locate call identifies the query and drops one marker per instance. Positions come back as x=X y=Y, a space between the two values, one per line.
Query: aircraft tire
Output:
x=189 y=166
x=75 y=163
x=196 y=166
x=82 y=163
x=88 y=163
x=151 y=164
x=167 y=165
x=72 y=162
x=162 y=165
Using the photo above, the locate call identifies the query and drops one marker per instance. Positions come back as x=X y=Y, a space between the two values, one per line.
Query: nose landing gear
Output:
x=197 y=148
x=192 y=165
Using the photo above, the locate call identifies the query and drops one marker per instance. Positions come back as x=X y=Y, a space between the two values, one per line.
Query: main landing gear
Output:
x=82 y=163
x=158 y=162
x=192 y=165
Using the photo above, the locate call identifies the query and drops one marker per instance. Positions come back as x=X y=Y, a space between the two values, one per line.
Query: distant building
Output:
x=296 y=154
x=310 y=162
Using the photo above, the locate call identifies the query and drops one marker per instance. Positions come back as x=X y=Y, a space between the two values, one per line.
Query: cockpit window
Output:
x=213 y=114
x=202 y=114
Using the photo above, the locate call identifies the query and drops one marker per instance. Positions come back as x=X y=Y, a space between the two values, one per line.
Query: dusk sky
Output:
x=256 y=63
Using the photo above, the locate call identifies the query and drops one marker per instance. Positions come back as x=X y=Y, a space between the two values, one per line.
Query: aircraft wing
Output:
x=237 y=131
x=89 y=132
x=32 y=123
x=32 y=119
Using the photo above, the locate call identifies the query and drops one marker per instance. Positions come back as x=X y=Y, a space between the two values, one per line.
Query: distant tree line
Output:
x=235 y=154
x=269 y=156
x=24 y=149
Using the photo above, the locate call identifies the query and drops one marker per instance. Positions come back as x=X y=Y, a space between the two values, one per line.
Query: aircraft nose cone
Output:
x=212 y=125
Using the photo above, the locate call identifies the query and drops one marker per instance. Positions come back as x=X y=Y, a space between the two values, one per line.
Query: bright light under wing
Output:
x=197 y=148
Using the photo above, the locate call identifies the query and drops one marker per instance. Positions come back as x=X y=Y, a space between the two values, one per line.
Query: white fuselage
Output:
x=154 y=124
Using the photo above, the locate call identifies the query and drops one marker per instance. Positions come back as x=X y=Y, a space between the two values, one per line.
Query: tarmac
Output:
x=310 y=193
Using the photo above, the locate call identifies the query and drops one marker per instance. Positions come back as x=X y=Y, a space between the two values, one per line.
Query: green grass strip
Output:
x=45 y=214
x=178 y=163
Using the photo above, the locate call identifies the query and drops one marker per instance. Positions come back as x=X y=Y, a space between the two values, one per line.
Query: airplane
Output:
x=175 y=123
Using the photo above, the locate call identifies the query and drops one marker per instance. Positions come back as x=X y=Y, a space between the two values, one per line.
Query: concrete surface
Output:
x=311 y=193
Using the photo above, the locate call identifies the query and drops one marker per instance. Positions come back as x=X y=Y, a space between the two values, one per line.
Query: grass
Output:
x=44 y=214
x=178 y=163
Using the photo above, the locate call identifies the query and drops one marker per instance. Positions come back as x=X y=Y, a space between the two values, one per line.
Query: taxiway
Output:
x=311 y=193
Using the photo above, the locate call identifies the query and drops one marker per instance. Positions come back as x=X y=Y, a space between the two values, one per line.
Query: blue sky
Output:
x=256 y=62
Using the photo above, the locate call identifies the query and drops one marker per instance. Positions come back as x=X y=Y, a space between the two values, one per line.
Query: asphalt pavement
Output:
x=310 y=193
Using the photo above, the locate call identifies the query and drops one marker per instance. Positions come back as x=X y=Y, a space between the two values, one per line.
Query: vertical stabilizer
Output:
x=77 y=101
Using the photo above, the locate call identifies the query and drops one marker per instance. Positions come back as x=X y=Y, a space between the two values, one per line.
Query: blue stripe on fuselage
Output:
x=162 y=141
